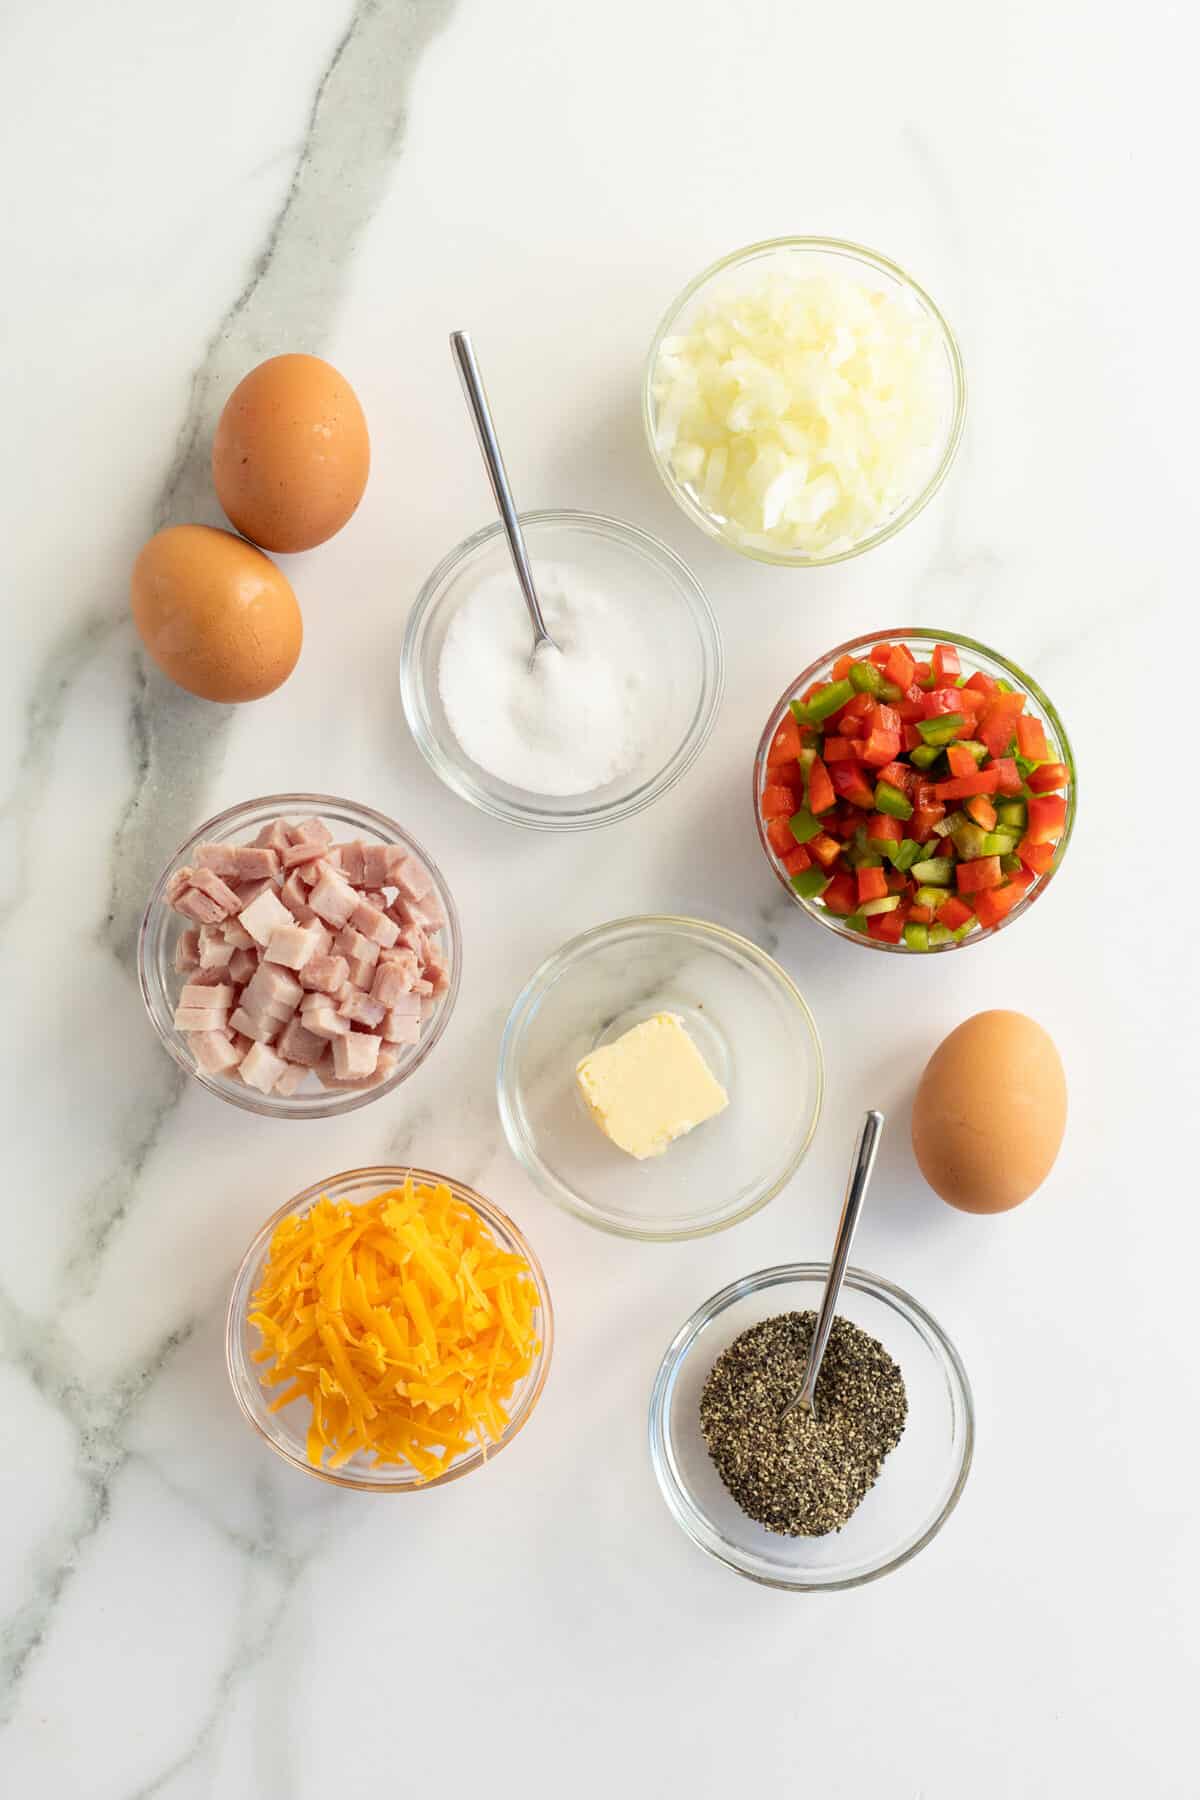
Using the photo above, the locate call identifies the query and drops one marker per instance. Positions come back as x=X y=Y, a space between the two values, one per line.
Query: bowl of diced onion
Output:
x=803 y=400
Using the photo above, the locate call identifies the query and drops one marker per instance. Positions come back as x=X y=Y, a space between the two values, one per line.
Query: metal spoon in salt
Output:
x=493 y=462
x=856 y=1193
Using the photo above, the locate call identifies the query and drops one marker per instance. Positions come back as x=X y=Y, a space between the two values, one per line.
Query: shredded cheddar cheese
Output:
x=401 y=1321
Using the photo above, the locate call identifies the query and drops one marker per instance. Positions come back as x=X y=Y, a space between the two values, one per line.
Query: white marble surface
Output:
x=192 y=187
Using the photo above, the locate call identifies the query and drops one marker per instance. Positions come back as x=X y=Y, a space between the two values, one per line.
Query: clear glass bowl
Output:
x=161 y=928
x=973 y=656
x=682 y=643
x=285 y=1431
x=919 y=1484
x=814 y=255
x=749 y=1022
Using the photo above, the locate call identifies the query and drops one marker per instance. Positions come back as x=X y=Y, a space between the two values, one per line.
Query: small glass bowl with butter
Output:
x=747 y=1035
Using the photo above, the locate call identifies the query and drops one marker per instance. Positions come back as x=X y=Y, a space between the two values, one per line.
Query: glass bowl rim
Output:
x=919 y=633
x=251 y=1262
x=845 y=247
x=450 y=769
x=337 y=1104
x=677 y=1497
x=545 y=976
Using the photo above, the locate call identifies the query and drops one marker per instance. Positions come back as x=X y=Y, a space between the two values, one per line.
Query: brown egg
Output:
x=215 y=614
x=990 y=1112
x=291 y=455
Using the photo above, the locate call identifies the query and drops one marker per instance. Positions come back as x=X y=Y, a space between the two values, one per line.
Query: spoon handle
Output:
x=493 y=462
x=856 y=1193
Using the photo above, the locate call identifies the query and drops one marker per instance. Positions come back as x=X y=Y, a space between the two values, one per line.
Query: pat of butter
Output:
x=649 y=1087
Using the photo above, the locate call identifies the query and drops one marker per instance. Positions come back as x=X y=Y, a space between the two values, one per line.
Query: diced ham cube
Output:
x=263 y=916
x=413 y=938
x=300 y=1045
x=272 y=990
x=215 y=951
x=242 y=966
x=187 y=952
x=209 y=978
x=220 y=858
x=218 y=891
x=177 y=886
x=258 y=1027
x=325 y=974
x=421 y=986
x=319 y=1014
x=256 y=862
x=260 y=1068
x=355 y=1057
x=394 y=978
x=248 y=891
x=294 y=895
x=274 y=836
x=310 y=872
x=297 y=854
x=362 y=972
x=375 y=897
x=410 y=876
x=401 y=1027
x=353 y=1004
x=291 y=946
x=350 y=861
x=294 y=1076
x=237 y=935
x=310 y=831
x=201 y=1018
x=350 y=943
x=215 y=1051
x=437 y=971
x=427 y=913
x=195 y=904
x=377 y=860
x=207 y=994
x=331 y=898
x=374 y=924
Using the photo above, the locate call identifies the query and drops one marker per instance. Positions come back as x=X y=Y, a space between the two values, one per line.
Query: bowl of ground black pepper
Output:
x=804 y=1503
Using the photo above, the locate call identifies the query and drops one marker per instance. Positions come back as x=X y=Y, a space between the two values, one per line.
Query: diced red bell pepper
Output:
x=899 y=667
x=896 y=880
x=858 y=745
x=882 y=747
x=841 y=668
x=998 y=721
x=887 y=718
x=1038 y=857
x=1008 y=776
x=970 y=703
x=953 y=912
x=1046 y=818
x=860 y=708
x=1023 y=879
x=920 y=826
x=944 y=663
x=980 y=683
x=779 y=835
x=872 y=884
x=880 y=654
x=785 y=745
x=899 y=775
x=777 y=801
x=1050 y=776
x=983 y=781
x=1031 y=738
x=841 y=895
x=911 y=704
x=960 y=760
x=884 y=830
x=921 y=915
x=942 y=700
x=996 y=904
x=980 y=808
x=973 y=877
x=820 y=789
x=797 y=859
x=824 y=849
x=923 y=794
x=886 y=928
x=923 y=675
x=853 y=785
x=840 y=749
x=910 y=736
x=842 y=822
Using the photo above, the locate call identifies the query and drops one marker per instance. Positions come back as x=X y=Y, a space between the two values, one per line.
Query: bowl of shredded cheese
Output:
x=803 y=400
x=389 y=1330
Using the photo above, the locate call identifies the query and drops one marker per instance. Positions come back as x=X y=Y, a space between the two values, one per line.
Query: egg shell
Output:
x=291 y=453
x=215 y=614
x=990 y=1112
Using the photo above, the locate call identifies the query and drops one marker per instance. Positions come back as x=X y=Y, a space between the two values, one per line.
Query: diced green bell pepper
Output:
x=923 y=756
x=891 y=801
x=938 y=934
x=903 y=855
x=1012 y=815
x=969 y=840
x=998 y=843
x=865 y=678
x=824 y=702
x=935 y=871
x=885 y=903
x=931 y=896
x=941 y=729
x=804 y=826
x=811 y=883
x=916 y=936
x=978 y=751
x=1010 y=863
x=855 y=922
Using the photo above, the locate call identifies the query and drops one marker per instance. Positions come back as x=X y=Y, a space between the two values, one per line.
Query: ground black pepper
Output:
x=801 y=1476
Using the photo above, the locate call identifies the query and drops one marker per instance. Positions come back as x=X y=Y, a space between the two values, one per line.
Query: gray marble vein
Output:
x=289 y=298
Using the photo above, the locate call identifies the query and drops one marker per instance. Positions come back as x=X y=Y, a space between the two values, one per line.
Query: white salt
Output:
x=579 y=718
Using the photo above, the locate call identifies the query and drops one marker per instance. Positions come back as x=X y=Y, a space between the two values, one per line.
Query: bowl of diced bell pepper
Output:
x=914 y=791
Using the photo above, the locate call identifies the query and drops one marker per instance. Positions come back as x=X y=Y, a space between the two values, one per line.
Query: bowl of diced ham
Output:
x=300 y=955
